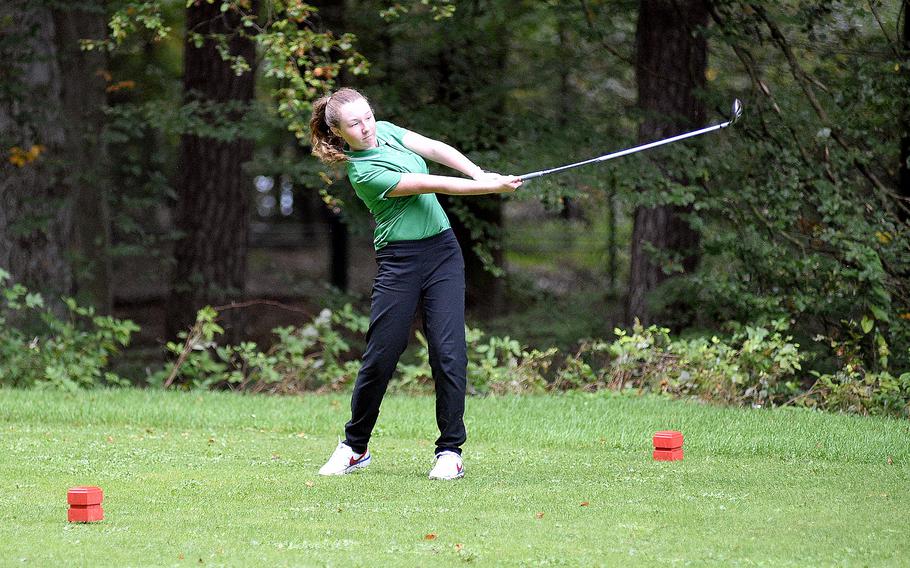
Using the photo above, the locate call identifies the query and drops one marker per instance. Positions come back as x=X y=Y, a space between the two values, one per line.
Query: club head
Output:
x=737 y=111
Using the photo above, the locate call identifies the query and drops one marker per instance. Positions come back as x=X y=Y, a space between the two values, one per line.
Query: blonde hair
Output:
x=327 y=146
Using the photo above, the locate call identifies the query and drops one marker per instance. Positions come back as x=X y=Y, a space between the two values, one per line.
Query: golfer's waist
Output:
x=443 y=237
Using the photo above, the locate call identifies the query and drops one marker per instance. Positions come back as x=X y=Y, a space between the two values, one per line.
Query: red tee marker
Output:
x=85 y=504
x=668 y=445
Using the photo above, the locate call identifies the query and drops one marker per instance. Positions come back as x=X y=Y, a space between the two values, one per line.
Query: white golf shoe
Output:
x=448 y=466
x=345 y=460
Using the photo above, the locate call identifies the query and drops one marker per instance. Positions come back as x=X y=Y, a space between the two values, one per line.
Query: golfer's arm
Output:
x=441 y=153
x=415 y=184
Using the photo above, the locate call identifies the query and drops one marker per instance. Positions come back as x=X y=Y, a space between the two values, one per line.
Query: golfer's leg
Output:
x=444 y=328
x=396 y=291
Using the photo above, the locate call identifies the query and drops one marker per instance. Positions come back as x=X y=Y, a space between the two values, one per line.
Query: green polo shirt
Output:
x=376 y=172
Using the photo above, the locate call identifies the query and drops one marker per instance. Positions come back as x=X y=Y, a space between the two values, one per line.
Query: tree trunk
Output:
x=904 y=176
x=213 y=190
x=86 y=166
x=469 y=72
x=670 y=70
x=612 y=249
x=35 y=208
x=331 y=14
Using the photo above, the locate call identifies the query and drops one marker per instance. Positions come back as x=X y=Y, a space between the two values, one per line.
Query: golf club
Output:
x=737 y=111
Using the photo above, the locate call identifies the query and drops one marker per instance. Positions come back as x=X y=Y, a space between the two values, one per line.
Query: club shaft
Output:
x=626 y=152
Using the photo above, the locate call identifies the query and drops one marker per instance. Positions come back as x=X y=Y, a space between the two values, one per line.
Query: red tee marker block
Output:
x=668 y=445
x=668 y=440
x=668 y=455
x=85 y=504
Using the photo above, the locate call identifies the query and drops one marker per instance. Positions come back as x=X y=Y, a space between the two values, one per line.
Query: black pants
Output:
x=430 y=269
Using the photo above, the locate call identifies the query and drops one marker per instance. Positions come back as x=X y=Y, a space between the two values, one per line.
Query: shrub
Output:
x=756 y=366
x=304 y=358
x=856 y=391
x=59 y=353
x=497 y=364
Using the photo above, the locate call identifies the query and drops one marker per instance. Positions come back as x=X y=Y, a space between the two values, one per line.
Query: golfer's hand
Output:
x=507 y=184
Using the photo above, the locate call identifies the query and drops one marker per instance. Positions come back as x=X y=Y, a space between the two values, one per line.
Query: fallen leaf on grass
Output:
x=890 y=461
x=110 y=439
x=431 y=536
x=458 y=546
x=539 y=515
x=309 y=484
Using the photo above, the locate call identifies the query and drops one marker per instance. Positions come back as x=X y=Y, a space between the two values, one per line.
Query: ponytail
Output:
x=327 y=146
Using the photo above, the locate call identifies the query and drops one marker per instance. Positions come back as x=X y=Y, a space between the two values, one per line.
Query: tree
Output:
x=213 y=191
x=86 y=167
x=806 y=223
x=443 y=77
x=904 y=167
x=55 y=216
x=35 y=208
x=670 y=70
x=332 y=17
x=220 y=46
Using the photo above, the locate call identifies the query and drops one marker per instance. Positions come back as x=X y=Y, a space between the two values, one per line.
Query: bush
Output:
x=59 y=353
x=495 y=364
x=853 y=390
x=755 y=366
x=304 y=358
x=759 y=365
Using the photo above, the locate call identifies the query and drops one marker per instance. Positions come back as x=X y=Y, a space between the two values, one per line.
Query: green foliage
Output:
x=298 y=62
x=800 y=213
x=798 y=207
x=757 y=366
x=40 y=349
x=311 y=357
x=855 y=390
x=495 y=364
x=438 y=10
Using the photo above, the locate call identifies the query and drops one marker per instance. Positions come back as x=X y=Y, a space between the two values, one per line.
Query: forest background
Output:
x=157 y=162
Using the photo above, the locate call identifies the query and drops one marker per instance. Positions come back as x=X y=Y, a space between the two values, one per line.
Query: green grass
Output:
x=223 y=479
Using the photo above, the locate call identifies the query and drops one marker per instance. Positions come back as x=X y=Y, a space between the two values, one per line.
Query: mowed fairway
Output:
x=225 y=479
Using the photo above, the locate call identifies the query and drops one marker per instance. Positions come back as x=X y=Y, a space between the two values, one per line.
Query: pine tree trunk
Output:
x=670 y=69
x=86 y=166
x=213 y=190
x=35 y=208
x=331 y=15
x=904 y=176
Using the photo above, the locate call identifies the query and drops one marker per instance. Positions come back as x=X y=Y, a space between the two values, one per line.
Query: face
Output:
x=356 y=125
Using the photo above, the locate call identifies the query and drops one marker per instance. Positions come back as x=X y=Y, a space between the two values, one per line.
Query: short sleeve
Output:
x=375 y=183
x=393 y=130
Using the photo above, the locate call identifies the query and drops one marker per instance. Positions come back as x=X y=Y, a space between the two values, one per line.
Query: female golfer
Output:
x=418 y=258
